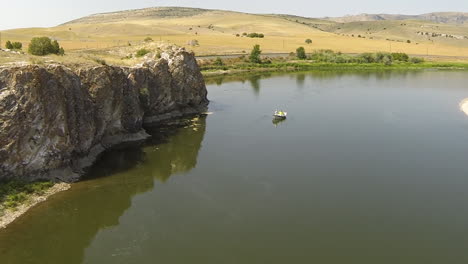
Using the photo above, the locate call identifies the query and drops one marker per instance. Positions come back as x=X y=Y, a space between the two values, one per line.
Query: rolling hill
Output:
x=221 y=32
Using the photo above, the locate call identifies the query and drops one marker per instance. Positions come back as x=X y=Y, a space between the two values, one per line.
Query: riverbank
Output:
x=290 y=66
x=17 y=200
x=18 y=197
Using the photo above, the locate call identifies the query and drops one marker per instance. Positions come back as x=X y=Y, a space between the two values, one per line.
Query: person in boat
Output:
x=279 y=113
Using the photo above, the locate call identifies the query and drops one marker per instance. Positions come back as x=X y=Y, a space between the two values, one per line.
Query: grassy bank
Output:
x=15 y=193
x=301 y=66
x=17 y=197
x=305 y=66
x=325 y=60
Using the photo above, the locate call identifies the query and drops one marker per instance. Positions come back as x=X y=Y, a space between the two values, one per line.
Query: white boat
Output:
x=280 y=114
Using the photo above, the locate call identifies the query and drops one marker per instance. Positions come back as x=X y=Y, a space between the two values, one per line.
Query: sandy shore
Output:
x=11 y=215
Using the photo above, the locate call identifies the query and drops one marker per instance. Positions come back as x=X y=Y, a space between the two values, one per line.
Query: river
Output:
x=369 y=167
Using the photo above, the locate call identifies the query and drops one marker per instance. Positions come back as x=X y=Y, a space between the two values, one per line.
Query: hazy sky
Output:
x=46 y=13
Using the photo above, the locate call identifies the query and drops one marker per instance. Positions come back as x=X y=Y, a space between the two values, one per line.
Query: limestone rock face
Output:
x=55 y=121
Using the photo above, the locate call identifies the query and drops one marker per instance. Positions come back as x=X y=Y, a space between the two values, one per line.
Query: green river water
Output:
x=368 y=168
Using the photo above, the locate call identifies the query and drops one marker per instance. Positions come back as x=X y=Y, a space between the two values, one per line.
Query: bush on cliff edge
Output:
x=42 y=46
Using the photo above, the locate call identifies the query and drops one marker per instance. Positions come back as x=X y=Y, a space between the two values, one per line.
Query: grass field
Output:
x=216 y=33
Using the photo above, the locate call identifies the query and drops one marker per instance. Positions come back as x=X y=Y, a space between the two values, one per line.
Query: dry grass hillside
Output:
x=440 y=17
x=216 y=32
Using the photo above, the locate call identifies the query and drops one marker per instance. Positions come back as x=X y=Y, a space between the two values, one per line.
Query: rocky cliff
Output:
x=55 y=121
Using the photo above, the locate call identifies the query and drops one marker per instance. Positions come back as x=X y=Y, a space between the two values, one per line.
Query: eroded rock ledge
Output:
x=55 y=121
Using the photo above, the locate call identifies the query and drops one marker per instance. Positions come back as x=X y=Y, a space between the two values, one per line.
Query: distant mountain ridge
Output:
x=178 y=12
x=437 y=17
x=139 y=14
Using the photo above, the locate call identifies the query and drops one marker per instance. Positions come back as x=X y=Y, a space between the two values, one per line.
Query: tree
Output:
x=8 y=45
x=55 y=47
x=308 y=41
x=41 y=46
x=255 y=54
x=300 y=53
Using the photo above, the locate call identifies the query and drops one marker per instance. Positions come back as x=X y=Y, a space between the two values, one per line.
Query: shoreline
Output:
x=10 y=215
x=296 y=66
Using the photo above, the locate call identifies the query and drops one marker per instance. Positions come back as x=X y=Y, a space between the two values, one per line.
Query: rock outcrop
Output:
x=55 y=121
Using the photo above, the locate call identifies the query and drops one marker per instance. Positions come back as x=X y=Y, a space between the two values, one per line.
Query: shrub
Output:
x=267 y=61
x=408 y=41
x=337 y=57
x=100 y=61
x=387 y=60
x=43 y=46
x=400 y=56
x=382 y=57
x=8 y=45
x=330 y=56
x=367 y=58
x=308 y=41
x=255 y=54
x=300 y=53
x=142 y=52
x=218 y=62
x=255 y=35
x=13 y=45
x=148 y=39
x=17 y=45
x=416 y=60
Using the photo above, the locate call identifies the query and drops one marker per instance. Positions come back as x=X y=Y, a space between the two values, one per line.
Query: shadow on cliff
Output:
x=60 y=230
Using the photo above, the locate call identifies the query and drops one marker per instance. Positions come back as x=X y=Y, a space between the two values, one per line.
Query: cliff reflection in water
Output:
x=60 y=230
x=178 y=154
